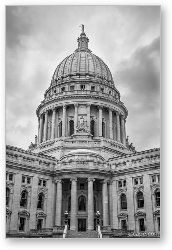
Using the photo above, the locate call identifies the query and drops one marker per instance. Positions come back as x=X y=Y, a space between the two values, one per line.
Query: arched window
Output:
x=140 y=200
x=40 y=204
x=103 y=128
x=82 y=203
x=92 y=126
x=71 y=127
x=123 y=201
x=7 y=196
x=95 y=205
x=157 y=198
x=69 y=204
x=60 y=129
x=23 y=200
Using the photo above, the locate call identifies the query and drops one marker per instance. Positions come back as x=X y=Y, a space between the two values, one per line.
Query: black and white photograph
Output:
x=83 y=121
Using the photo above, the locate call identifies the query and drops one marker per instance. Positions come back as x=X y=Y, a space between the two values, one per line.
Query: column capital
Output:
x=88 y=104
x=100 y=106
x=76 y=105
x=90 y=179
x=58 y=181
x=73 y=179
x=64 y=106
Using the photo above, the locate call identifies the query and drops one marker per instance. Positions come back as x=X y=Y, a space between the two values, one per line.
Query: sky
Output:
x=126 y=38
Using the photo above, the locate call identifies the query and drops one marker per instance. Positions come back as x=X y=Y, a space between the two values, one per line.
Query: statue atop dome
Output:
x=83 y=40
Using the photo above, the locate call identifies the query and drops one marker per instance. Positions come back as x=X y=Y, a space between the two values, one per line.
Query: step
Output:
x=86 y=234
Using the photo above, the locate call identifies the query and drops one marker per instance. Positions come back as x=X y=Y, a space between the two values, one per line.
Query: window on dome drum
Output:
x=109 y=92
x=82 y=186
x=157 y=198
x=23 y=199
x=60 y=129
x=138 y=181
x=22 y=223
x=7 y=196
x=123 y=201
x=39 y=224
x=140 y=200
x=62 y=89
x=92 y=88
x=155 y=178
x=26 y=179
x=103 y=128
x=102 y=90
x=141 y=224
x=82 y=203
x=92 y=126
x=40 y=204
x=42 y=183
x=82 y=87
x=9 y=176
x=123 y=224
x=71 y=127
x=121 y=183
x=69 y=204
x=54 y=91
x=72 y=88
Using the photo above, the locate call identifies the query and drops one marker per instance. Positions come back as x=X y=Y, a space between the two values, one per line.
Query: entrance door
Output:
x=81 y=224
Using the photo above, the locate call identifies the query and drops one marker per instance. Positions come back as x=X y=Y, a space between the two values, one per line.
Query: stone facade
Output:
x=81 y=161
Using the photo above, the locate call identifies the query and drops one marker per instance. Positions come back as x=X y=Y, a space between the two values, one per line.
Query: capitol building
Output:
x=82 y=178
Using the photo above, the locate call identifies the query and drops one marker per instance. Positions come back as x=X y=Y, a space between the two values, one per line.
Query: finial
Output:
x=82 y=28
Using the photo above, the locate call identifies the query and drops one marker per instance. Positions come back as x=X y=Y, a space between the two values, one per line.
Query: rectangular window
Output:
x=23 y=179
x=40 y=182
x=158 y=221
x=158 y=178
x=62 y=89
x=10 y=177
x=22 y=224
x=141 y=180
x=39 y=224
x=119 y=184
x=82 y=186
x=123 y=224
x=102 y=90
x=44 y=183
x=136 y=181
x=92 y=88
x=124 y=183
x=72 y=88
x=141 y=225
x=153 y=178
x=28 y=180
x=82 y=87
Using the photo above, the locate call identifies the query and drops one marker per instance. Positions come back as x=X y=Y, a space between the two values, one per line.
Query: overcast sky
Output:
x=127 y=38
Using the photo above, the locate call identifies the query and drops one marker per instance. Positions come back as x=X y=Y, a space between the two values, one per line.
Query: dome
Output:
x=83 y=64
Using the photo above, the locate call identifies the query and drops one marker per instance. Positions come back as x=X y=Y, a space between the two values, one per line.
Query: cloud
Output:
x=139 y=78
x=38 y=38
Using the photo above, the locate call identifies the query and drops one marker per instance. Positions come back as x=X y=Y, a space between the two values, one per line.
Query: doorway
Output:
x=82 y=225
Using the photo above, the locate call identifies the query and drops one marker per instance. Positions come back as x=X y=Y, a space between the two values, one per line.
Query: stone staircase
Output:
x=86 y=234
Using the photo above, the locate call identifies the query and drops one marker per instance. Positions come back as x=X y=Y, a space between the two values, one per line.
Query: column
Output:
x=73 y=204
x=123 y=130
x=90 y=204
x=40 y=128
x=110 y=124
x=105 y=204
x=53 y=124
x=100 y=120
x=114 y=205
x=58 y=202
x=76 y=116
x=64 y=121
x=45 y=125
x=56 y=124
x=88 y=116
x=118 y=127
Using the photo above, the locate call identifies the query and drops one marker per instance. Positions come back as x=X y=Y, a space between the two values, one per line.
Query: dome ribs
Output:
x=70 y=71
